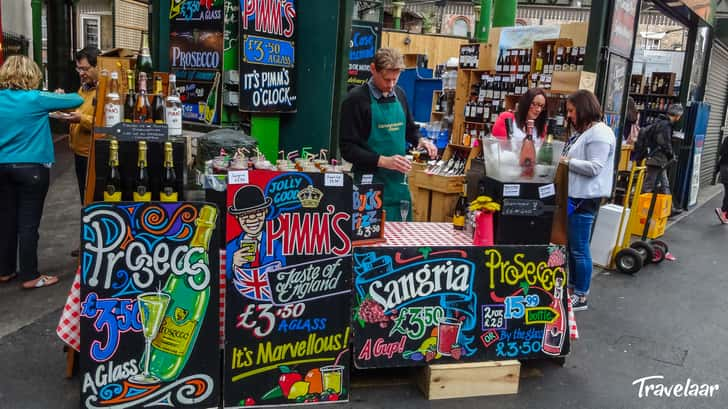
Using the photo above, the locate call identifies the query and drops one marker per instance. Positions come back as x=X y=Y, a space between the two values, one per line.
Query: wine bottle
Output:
x=112 y=187
x=548 y=67
x=580 y=59
x=142 y=109
x=546 y=152
x=574 y=58
x=142 y=192
x=553 y=334
x=130 y=99
x=168 y=192
x=461 y=209
x=158 y=113
x=144 y=58
x=558 y=64
x=112 y=107
x=527 y=158
x=189 y=298
x=539 y=61
x=173 y=108
x=499 y=62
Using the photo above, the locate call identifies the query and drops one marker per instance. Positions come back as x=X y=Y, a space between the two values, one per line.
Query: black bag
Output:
x=644 y=141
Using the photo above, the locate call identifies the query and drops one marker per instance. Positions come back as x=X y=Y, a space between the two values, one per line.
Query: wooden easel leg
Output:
x=71 y=357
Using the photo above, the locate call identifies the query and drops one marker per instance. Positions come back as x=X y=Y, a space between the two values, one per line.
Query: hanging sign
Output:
x=364 y=42
x=196 y=56
x=268 y=56
x=149 y=306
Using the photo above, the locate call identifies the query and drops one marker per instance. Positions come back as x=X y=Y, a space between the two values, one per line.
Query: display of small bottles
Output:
x=469 y=55
x=142 y=190
x=514 y=61
x=660 y=83
x=569 y=59
x=652 y=102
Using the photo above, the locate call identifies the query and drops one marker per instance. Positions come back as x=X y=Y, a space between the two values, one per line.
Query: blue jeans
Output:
x=23 y=188
x=580 y=260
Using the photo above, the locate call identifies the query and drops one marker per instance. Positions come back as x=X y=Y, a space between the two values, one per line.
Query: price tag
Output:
x=546 y=191
x=367 y=179
x=511 y=190
x=334 y=179
x=238 y=177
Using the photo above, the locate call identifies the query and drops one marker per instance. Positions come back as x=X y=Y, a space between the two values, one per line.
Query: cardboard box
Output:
x=566 y=82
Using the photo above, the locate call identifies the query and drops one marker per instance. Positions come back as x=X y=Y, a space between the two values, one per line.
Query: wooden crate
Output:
x=466 y=380
x=567 y=82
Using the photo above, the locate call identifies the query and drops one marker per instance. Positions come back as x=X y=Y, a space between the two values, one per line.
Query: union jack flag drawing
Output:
x=253 y=282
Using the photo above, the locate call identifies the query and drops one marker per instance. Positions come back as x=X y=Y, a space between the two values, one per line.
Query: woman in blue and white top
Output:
x=589 y=155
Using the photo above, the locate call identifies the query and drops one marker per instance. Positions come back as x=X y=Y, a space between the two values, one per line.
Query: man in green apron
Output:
x=376 y=125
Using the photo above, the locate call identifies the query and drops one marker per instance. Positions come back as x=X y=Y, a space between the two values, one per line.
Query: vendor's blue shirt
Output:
x=25 y=136
x=234 y=245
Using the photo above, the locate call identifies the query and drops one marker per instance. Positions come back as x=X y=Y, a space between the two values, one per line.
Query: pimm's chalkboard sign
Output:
x=418 y=305
x=268 y=56
x=149 y=306
x=288 y=298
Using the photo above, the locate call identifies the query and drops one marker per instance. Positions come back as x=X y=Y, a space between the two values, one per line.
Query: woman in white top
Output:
x=589 y=154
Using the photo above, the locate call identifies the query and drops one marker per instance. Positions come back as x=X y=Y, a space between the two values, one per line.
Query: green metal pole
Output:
x=504 y=13
x=397 y=11
x=159 y=34
x=483 y=27
x=36 y=6
x=266 y=129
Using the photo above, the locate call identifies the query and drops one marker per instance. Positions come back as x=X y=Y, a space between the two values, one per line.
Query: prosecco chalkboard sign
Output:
x=268 y=56
x=149 y=305
x=419 y=305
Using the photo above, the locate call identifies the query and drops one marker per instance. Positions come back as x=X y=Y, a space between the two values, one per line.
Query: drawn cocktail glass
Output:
x=331 y=377
x=152 y=307
x=404 y=206
x=447 y=334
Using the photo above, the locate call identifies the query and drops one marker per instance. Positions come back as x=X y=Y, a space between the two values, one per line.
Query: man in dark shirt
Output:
x=376 y=125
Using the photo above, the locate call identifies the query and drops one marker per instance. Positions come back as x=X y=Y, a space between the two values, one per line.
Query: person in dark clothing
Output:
x=722 y=211
x=659 y=150
x=376 y=125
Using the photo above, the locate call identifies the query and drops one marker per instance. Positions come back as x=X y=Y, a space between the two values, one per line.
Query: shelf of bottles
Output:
x=653 y=95
x=139 y=171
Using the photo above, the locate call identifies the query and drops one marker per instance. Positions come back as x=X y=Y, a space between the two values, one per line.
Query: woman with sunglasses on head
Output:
x=532 y=106
x=26 y=155
x=589 y=155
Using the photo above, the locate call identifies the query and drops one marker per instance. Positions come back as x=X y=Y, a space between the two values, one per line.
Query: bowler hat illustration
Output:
x=249 y=198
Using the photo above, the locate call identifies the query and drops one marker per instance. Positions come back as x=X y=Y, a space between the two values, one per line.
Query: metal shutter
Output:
x=715 y=95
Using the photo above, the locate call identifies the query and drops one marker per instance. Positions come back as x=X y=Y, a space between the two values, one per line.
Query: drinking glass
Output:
x=152 y=307
x=404 y=209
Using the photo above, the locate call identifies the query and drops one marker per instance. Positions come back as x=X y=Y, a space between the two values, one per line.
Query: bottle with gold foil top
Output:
x=112 y=188
x=142 y=191
x=168 y=192
x=211 y=104
x=189 y=297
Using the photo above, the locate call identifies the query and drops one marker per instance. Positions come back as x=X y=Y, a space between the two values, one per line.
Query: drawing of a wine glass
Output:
x=404 y=206
x=152 y=307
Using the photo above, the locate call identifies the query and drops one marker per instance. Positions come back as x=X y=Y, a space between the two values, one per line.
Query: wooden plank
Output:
x=442 y=206
x=437 y=48
x=577 y=32
x=471 y=379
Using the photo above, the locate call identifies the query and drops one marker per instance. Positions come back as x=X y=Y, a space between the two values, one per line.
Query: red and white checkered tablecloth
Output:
x=415 y=234
x=69 y=326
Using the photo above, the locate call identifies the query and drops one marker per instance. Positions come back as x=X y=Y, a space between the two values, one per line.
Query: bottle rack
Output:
x=128 y=166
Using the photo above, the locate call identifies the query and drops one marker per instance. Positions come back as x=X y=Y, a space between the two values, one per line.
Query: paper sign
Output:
x=238 y=177
x=546 y=191
x=334 y=179
x=511 y=190
x=367 y=179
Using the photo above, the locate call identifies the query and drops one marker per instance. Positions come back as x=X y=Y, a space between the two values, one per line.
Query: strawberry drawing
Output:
x=456 y=352
x=556 y=256
x=429 y=355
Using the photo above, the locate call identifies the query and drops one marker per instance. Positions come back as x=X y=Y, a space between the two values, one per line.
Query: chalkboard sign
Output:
x=364 y=42
x=524 y=207
x=196 y=57
x=288 y=298
x=268 y=56
x=367 y=217
x=415 y=306
x=149 y=306
x=136 y=132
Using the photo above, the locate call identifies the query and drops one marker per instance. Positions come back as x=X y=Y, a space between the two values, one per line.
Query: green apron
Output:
x=387 y=138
